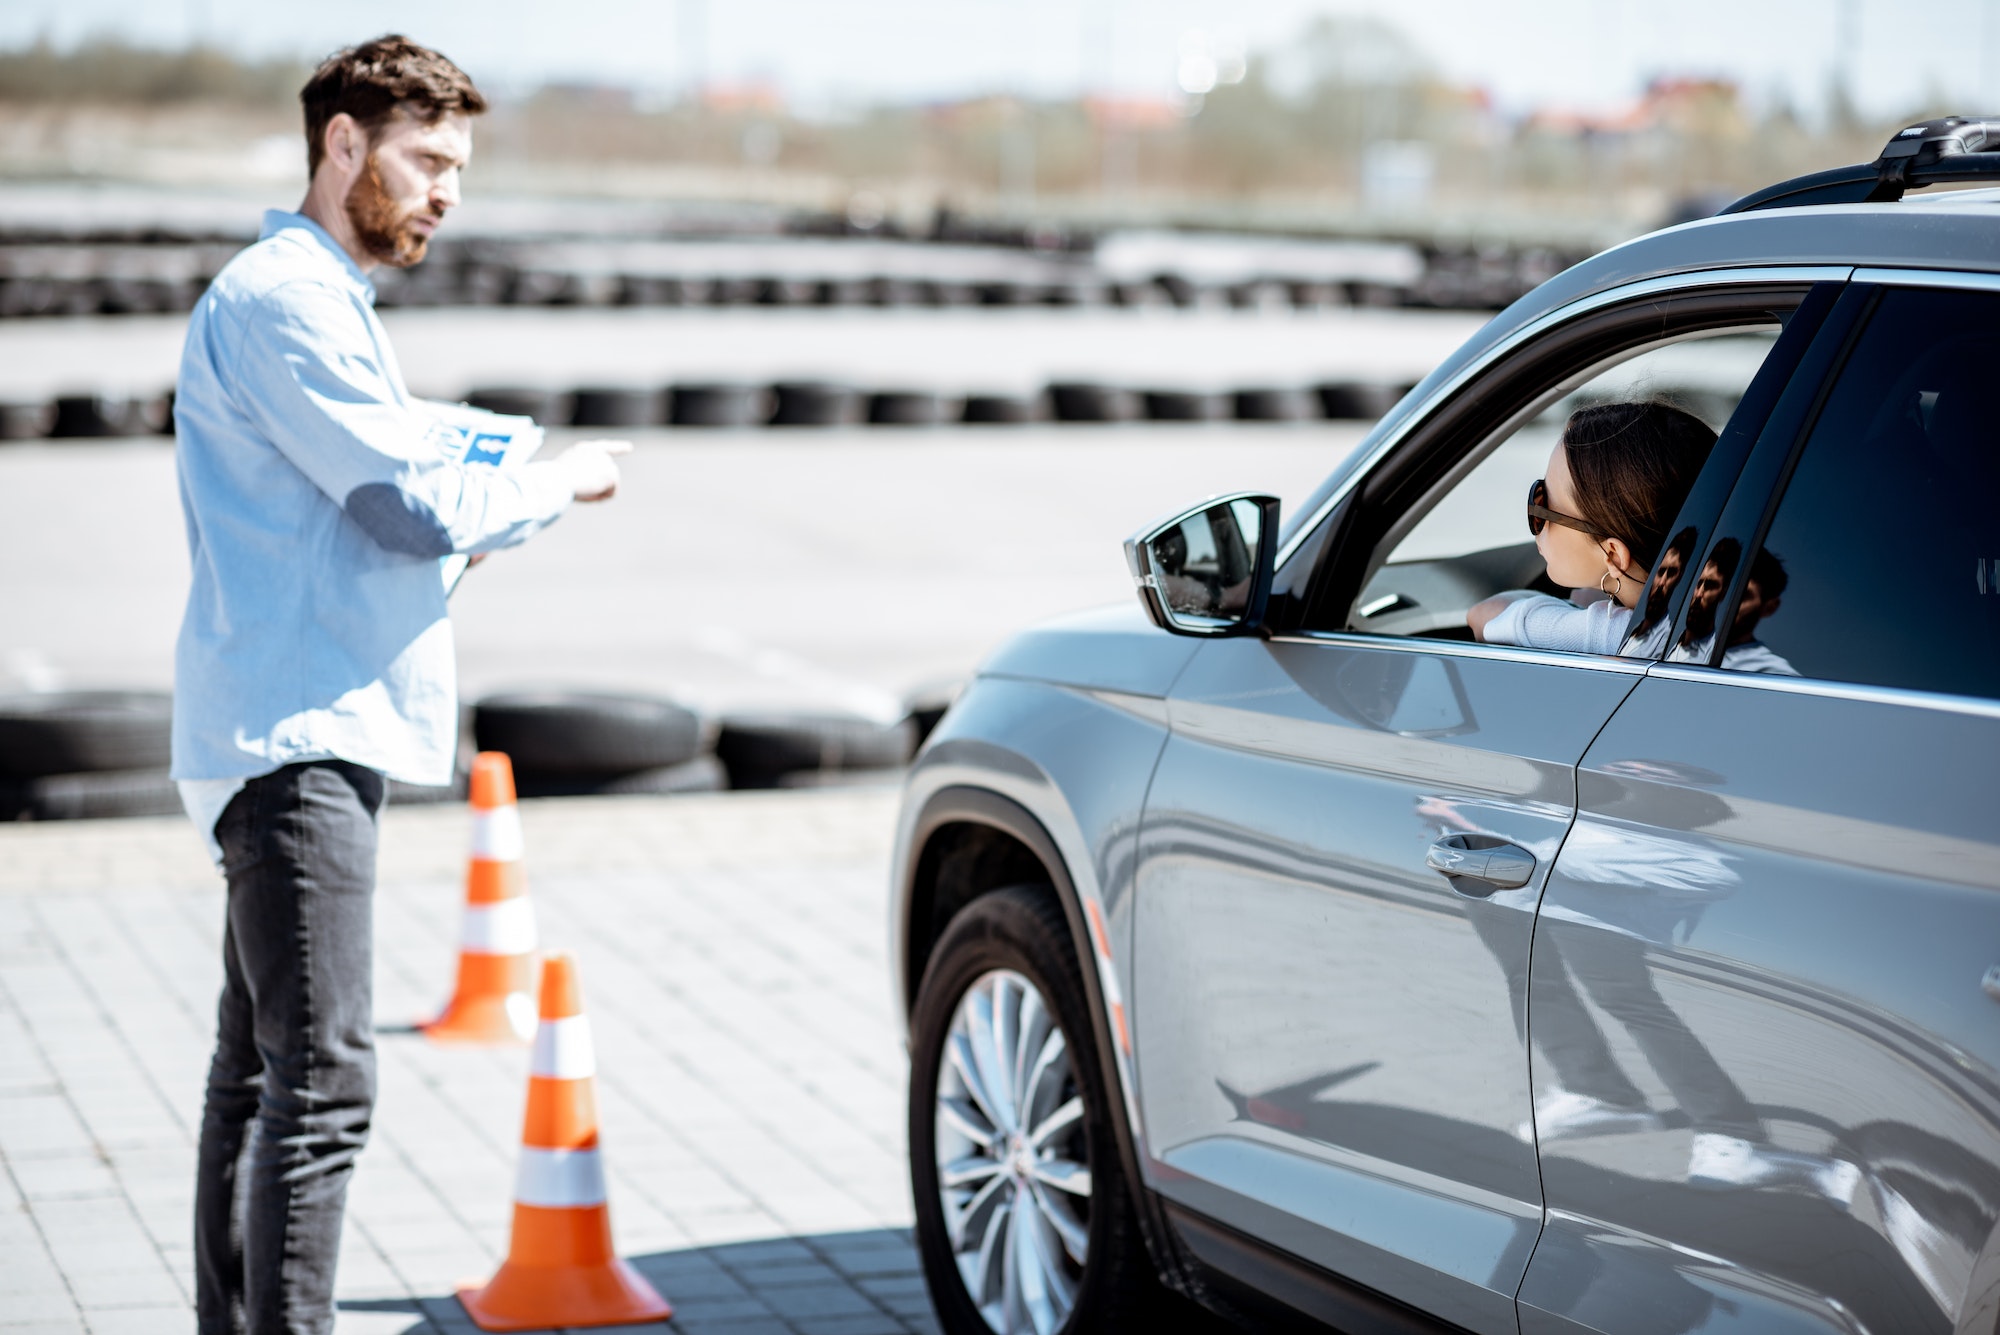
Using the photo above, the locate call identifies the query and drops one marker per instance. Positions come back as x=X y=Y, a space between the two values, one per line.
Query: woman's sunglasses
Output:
x=1540 y=516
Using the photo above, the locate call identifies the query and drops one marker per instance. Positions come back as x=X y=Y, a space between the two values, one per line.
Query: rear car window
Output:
x=1882 y=563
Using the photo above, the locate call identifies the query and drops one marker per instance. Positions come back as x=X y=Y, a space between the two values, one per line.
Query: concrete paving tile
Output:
x=879 y=1323
x=764 y=1325
x=760 y=1275
x=350 y=1321
x=885 y=1270
x=140 y=1320
x=64 y=1177
x=54 y=1304
x=149 y=1287
x=32 y=1124
x=47 y=1326
x=817 y=1300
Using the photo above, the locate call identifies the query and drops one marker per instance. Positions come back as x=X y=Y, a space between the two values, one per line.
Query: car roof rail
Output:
x=1950 y=148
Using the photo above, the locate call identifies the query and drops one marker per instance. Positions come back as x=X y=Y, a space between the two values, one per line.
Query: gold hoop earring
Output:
x=1609 y=577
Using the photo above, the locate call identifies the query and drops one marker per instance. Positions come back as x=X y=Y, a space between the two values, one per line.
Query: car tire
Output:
x=576 y=734
x=703 y=774
x=26 y=421
x=718 y=405
x=1074 y=401
x=760 y=749
x=1003 y=946
x=814 y=403
x=94 y=796
x=1002 y=409
x=71 y=732
x=545 y=406
x=617 y=406
x=909 y=407
x=1183 y=405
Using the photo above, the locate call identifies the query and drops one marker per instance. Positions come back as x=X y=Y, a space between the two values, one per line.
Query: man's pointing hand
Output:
x=592 y=468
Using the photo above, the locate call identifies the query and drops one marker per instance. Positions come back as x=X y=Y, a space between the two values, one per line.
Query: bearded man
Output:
x=315 y=657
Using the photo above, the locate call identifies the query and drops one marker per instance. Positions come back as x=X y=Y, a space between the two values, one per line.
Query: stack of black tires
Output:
x=78 y=755
x=574 y=743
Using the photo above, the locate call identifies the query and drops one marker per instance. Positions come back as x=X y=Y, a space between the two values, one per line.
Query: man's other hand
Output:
x=593 y=469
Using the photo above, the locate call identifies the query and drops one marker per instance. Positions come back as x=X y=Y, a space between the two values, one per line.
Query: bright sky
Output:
x=821 y=52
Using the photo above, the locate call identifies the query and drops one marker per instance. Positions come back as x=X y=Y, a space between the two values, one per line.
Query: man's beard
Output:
x=383 y=229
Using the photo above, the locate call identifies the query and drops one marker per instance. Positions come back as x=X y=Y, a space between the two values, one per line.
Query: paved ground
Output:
x=751 y=1082
x=780 y=568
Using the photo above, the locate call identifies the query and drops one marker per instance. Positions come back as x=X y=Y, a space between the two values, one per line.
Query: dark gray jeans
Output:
x=292 y=1084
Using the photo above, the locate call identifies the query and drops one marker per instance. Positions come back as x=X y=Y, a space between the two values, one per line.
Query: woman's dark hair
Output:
x=1633 y=464
x=374 y=80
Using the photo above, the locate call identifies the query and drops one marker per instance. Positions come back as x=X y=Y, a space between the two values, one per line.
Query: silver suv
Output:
x=1277 y=944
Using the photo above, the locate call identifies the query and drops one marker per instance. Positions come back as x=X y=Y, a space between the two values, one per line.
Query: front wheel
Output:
x=1024 y=1219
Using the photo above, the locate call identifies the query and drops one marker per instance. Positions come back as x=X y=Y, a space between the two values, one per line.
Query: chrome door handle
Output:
x=1478 y=857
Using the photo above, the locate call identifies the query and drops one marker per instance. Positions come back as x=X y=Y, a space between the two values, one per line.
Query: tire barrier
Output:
x=719 y=405
x=74 y=732
x=26 y=421
x=815 y=403
x=910 y=407
x=1184 y=405
x=85 y=275
x=790 y=403
x=618 y=406
x=77 y=755
x=98 y=754
x=98 y=796
x=703 y=774
x=587 y=734
x=543 y=405
x=1075 y=401
x=98 y=415
x=761 y=749
x=1002 y=409
x=1274 y=405
x=1357 y=402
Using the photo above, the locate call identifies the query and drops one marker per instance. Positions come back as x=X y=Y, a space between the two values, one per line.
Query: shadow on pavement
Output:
x=860 y=1283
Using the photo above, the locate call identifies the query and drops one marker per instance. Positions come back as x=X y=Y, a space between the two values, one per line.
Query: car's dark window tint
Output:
x=1882 y=563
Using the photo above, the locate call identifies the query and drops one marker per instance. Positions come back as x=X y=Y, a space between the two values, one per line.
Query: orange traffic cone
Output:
x=496 y=957
x=560 y=1268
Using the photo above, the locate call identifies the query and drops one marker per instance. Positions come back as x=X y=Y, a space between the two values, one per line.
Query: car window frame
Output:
x=1766 y=475
x=1325 y=553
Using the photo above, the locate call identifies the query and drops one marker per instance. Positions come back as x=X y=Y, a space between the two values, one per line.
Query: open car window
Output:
x=1467 y=539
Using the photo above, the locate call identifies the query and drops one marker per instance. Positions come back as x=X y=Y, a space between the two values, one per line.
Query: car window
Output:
x=1469 y=539
x=1882 y=562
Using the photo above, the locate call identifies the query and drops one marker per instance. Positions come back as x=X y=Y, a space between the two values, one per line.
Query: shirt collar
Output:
x=279 y=220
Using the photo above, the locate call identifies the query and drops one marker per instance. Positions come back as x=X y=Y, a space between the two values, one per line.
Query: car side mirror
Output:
x=1208 y=571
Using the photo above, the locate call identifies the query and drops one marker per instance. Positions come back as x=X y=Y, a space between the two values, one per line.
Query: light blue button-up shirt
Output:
x=317 y=510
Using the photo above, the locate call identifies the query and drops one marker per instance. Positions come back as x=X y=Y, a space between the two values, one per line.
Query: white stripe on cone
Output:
x=496 y=834
x=505 y=928
x=559 y=1179
x=563 y=1050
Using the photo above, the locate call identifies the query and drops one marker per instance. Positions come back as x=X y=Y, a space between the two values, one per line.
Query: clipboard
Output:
x=480 y=439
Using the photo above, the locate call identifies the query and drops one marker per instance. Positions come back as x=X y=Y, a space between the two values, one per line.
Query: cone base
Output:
x=487 y=1019
x=529 y=1297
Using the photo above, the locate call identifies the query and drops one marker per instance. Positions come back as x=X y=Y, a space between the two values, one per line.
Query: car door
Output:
x=1329 y=999
x=1771 y=943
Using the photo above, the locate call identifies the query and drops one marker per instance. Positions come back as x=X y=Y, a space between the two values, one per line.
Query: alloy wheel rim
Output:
x=1013 y=1169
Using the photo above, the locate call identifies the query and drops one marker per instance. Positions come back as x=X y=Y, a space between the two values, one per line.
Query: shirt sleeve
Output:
x=312 y=381
x=1541 y=622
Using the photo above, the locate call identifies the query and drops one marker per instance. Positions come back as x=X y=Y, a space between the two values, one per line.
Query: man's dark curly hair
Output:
x=374 y=80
